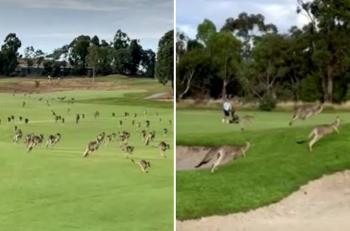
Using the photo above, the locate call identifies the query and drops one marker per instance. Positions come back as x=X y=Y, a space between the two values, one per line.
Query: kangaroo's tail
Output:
x=201 y=163
x=205 y=160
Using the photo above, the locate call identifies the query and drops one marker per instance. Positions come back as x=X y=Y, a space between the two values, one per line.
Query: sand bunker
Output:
x=189 y=156
x=321 y=205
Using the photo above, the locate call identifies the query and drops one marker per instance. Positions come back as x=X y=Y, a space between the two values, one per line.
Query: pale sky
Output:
x=49 y=24
x=282 y=13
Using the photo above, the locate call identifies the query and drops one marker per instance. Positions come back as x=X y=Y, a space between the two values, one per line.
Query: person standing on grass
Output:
x=228 y=111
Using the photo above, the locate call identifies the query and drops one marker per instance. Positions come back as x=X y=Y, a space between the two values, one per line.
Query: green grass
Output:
x=58 y=190
x=275 y=165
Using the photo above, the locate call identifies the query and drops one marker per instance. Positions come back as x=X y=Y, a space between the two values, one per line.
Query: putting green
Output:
x=56 y=189
x=274 y=167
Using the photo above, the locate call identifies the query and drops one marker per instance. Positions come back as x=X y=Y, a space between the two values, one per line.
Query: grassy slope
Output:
x=274 y=167
x=58 y=190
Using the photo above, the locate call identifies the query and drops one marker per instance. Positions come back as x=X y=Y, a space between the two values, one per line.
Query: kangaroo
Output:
x=148 y=137
x=163 y=147
x=124 y=136
x=143 y=164
x=53 y=140
x=91 y=147
x=18 y=135
x=305 y=112
x=111 y=137
x=321 y=131
x=77 y=118
x=96 y=114
x=245 y=120
x=27 y=138
x=34 y=141
x=223 y=152
x=101 y=137
x=128 y=149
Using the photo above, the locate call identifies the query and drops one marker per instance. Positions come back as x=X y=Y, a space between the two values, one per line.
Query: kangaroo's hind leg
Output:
x=143 y=169
x=314 y=139
x=86 y=153
x=218 y=161
x=336 y=130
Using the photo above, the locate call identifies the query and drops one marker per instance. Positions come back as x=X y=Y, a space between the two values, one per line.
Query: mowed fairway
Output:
x=56 y=189
x=274 y=167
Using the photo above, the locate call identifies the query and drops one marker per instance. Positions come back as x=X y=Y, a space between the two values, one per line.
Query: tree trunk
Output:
x=188 y=85
x=329 y=84
x=223 y=92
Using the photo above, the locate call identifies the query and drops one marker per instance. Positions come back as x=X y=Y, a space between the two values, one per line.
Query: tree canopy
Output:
x=250 y=59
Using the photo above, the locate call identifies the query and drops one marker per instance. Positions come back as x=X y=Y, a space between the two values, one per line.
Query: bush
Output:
x=311 y=89
x=267 y=103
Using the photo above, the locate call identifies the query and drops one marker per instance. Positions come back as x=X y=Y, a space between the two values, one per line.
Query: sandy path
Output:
x=321 y=205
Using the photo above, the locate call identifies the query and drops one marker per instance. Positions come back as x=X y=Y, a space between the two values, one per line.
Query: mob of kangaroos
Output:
x=130 y=124
x=217 y=155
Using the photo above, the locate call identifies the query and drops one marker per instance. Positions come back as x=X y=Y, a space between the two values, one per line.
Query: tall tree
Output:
x=29 y=53
x=269 y=65
x=248 y=27
x=189 y=67
x=135 y=56
x=330 y=23
x=121 y=40
x=92 y=59
x=95 y=40
x=165 y=59
x=78 y=53
x=121 y=61
x=148 y=62
x=205 y=31
x=225 y=50
x=39 y=56
x=9 y=51
x=181 y=43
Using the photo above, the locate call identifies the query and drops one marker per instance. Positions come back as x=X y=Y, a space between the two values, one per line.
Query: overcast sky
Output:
x=282 y=13
x=48 y=24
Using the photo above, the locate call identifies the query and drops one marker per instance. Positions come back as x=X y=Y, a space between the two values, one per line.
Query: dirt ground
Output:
x=321 y=205
x=29 y=85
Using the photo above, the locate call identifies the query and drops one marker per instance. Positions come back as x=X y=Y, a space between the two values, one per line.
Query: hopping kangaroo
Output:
x=91 y=147
x=128 y=149
x=53 y=139
x=18 y=135
x=305 y=112
x=163 y=147
x=34 y=141
x=222 y=153
x=143 y=164
x=321 y=131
